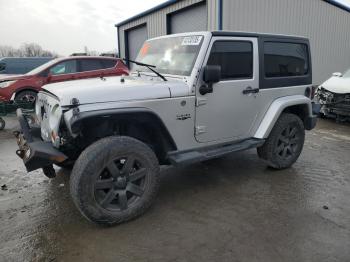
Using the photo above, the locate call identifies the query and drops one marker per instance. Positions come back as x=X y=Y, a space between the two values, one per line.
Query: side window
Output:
x=234 y=57
x=285 y=59
x=108 y=63
x=90 y=65
x=66 y=67
x=2 y=67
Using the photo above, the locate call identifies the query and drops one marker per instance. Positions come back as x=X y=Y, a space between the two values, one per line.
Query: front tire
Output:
x=115 y=180
x=26 y=96
x=285 y=142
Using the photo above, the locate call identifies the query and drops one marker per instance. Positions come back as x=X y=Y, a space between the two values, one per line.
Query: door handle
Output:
x=250 y=90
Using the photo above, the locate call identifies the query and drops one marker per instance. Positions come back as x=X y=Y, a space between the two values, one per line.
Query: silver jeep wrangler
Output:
x=190 y=97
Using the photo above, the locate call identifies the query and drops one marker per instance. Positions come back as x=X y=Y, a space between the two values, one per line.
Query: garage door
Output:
x=135 y=39
x=189 y=20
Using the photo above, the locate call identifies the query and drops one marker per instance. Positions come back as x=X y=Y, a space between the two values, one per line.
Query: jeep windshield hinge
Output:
x=200 y=101
x=200 y=130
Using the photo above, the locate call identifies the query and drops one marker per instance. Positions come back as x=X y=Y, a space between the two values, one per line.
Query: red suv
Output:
x=25 y=87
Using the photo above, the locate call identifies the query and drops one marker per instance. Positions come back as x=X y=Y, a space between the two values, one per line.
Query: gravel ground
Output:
x=229 y=209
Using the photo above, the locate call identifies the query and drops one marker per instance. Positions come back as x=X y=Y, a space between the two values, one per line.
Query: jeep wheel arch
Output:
x=296 y=104
x=139 y=123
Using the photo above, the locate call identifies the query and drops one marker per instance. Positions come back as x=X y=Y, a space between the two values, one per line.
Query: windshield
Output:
x=42 y=67
x=347 y=73
x=172 y=55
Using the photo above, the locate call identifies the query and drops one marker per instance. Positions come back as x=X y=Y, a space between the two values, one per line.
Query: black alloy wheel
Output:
x=287 y=142
x=121 y=183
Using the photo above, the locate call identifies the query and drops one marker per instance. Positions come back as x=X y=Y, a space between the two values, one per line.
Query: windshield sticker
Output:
x=192 y=40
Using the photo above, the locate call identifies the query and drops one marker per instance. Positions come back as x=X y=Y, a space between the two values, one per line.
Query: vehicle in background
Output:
x=21 y=65
x=25 y=87
x=333 y=97
x=110 y=54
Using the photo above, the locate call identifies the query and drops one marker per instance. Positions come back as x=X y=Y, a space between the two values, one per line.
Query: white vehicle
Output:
x=190 y=97
x=333 y=96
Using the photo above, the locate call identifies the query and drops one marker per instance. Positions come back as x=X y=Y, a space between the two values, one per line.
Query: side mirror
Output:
x=212 y=74
x=337 y=74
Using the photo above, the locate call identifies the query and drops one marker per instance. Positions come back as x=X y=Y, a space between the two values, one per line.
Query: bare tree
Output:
x=6 y=50
x=90 y=52
x=25 y=50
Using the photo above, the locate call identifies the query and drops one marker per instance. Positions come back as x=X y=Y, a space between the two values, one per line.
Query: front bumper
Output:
x=34 y=152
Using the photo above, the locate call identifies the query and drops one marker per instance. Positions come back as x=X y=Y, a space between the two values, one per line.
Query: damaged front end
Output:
x=35 y=152
x=333 y=105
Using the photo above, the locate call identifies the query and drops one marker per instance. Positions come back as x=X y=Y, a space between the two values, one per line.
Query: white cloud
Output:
x=344 y=2
x=66 y=26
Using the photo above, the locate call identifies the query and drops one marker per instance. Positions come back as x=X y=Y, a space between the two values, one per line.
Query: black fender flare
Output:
x=144 y=113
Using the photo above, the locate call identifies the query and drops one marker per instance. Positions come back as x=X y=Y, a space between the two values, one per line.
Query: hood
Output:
x=338 y=85
x=4 y=78
x=109 y=89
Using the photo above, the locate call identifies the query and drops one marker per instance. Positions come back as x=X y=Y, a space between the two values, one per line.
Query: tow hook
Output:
x=49 y=171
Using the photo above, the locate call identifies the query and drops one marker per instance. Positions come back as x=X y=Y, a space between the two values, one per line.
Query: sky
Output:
x=345 y=2
x=67 y=26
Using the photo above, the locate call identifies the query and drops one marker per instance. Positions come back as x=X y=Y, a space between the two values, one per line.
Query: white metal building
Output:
x=325 y=22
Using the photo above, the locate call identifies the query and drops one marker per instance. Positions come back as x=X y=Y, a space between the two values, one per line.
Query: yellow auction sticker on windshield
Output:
x=192 y=40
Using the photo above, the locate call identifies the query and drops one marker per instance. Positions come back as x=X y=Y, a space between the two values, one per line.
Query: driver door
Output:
x=63 y=71
x=230 y=111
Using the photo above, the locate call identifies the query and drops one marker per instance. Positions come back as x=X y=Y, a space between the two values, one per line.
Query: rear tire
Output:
x=285 y=142
x=115 y=180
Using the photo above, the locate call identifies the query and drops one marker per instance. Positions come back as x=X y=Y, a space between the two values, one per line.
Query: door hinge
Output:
x=201 y=101
x=201 y=130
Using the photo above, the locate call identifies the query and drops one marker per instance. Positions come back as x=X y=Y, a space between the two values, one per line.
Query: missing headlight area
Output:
x=333 y=105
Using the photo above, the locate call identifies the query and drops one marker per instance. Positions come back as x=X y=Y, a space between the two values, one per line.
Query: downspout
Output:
x=220 y=14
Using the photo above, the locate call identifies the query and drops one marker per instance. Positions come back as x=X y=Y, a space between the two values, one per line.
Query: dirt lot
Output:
x=229 y=209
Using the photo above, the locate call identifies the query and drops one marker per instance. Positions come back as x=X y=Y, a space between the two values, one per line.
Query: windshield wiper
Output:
x=150 y=67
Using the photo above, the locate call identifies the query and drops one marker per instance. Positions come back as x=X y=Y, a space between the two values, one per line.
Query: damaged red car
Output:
x=25 y=87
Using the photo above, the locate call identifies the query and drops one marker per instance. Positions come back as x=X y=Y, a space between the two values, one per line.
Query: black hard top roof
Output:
x=253 y=34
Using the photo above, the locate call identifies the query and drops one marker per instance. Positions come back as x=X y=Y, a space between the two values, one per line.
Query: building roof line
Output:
x=338 y=4
x=149 y=11
x=170 y=2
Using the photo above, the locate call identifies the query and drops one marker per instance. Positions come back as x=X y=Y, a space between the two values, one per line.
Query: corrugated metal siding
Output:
x=136 y=37
x=213 y=10
x=156 y=22
x=190 y=19
x=327 y=27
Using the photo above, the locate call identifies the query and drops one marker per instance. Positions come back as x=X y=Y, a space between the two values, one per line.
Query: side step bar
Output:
x=189 y=157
